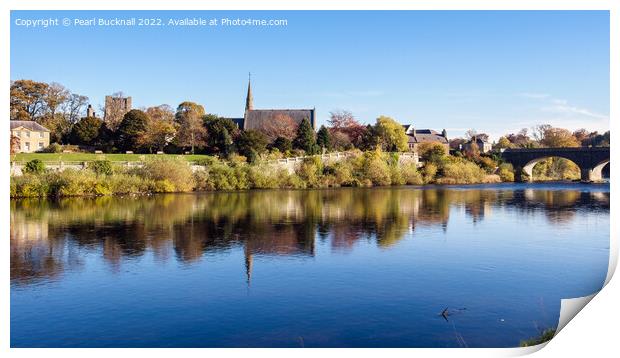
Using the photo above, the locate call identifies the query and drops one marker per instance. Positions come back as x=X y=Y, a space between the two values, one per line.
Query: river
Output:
x=306 y=268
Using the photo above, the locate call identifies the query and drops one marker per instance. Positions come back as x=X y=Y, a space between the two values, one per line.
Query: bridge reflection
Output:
x=48 y=237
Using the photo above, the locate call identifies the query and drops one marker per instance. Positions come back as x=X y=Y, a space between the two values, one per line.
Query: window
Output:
x=27 y=147
x=40 y=145
x=41 y=134
x=28 y=134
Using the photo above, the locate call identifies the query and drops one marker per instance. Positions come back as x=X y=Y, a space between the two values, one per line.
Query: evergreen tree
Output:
x=323 y=140
x=220 y=133
x=86 y=131
x=251 y=143
x=282 y=144
x=131 y=128
x=305 y=137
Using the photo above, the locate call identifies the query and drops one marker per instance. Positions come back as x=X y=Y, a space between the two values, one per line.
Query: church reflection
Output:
x=48 y=237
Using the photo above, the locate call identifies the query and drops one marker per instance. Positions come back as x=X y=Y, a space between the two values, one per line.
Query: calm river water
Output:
x=316 y=268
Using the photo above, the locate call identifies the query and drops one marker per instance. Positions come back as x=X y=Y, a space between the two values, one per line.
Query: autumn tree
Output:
x=191 y=131
x=503 y=143
x=432 y=152
x=521 y=139
x=14 y=142
x=344 y=122
x=558 y=137
x=391 y=134
x=281 y=125
x=27 y=99
x=339 y=140
x=160 y=128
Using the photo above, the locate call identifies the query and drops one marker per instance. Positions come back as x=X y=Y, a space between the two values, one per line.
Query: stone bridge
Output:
x=590 y=160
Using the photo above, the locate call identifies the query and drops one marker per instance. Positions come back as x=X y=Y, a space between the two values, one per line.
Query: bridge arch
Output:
x=590 y=160
x=528 y=168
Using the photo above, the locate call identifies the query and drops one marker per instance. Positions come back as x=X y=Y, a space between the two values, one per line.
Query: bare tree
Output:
x=471 y=134
x=538 y=132
x=73 y=107
x=280 y=125
x=55 y=96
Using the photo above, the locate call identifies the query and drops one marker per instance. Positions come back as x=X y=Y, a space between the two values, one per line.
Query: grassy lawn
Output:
x=86 y=157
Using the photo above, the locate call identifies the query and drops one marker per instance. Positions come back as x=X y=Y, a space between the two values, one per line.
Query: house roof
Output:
x=256 y=118
x=424 y=135
x=478 y=140
x=30 y=125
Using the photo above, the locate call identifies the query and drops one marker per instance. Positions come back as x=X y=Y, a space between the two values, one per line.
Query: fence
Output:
x=288 y=163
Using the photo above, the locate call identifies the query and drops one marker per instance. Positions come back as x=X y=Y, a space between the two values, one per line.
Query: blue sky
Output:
x=494 y=71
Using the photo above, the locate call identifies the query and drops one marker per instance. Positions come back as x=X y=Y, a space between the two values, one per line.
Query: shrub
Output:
x=410 y=175
x=76 y=183
x=429 y=172
x=101 y=167
x=396 y=175
x=544 y=336
x=34 y=166
x=310 y=171
x=175 y=170
x=462 y=172
x=163 y=186
x=27 y=186
x=432 y=152
x=266 y=176
x=506 y=172
x=52 y=148
x=488 y=164
x=342 y=172
x=122 y=183
x=221 y=176
x=374 y=168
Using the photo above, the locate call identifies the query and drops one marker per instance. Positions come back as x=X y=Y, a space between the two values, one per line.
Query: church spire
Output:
x=249 y=101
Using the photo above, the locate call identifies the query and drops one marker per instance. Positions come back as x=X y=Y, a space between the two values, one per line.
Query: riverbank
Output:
x=166 y=175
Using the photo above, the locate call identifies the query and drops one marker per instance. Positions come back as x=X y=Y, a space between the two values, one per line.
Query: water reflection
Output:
x=50 y=237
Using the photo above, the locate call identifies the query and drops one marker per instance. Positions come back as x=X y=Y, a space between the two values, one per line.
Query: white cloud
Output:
x=563 y=108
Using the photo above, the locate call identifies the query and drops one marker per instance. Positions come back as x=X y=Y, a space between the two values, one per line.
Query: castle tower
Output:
x=249 y=101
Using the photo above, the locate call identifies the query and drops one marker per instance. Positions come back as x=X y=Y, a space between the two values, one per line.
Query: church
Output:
x=257 y=119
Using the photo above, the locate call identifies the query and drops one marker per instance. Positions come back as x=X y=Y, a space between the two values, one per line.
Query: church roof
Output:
x=257 y=118
x=30 y=125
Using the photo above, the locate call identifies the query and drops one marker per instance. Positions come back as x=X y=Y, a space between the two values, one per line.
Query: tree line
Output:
x=189 y=128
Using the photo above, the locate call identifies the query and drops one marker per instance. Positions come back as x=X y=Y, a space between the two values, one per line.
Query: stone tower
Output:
x=115 y=108
x=90 y=112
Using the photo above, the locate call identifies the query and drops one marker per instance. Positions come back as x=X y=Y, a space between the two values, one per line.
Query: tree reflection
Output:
x=47 y=237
